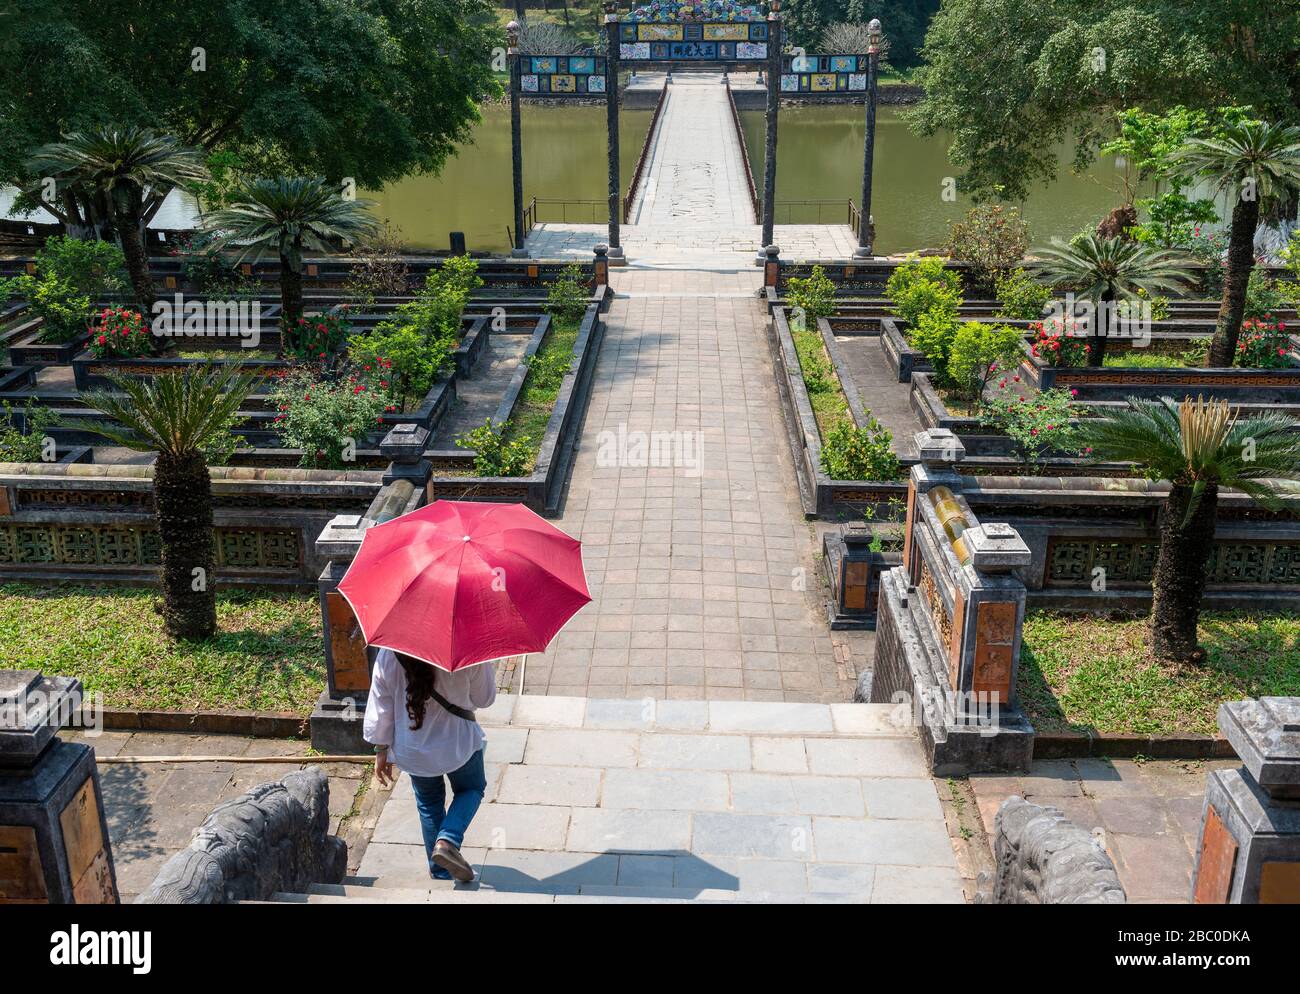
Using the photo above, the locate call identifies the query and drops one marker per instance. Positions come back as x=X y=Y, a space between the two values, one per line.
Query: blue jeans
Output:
x=438 y=821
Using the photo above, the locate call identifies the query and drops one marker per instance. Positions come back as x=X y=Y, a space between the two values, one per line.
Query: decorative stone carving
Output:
x=1044 y=858
x=273 y=838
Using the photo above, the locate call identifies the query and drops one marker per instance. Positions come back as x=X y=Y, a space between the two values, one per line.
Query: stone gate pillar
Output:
x=949 y=623
x=1249 y=851
x=54 y=843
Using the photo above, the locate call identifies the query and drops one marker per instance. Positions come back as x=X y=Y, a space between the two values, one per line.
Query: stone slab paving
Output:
x=696 y=171
x=705 y=245
x=478 y=397
x=153 y=809
x=703 y=570
x=686 y=800
x=1148 y=814
x=882 y=395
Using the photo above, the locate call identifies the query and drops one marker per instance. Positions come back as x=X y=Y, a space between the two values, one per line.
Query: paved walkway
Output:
x=610 y=800
x=696 y=173
x=1148 y=814
x=703 y=569
x=882 y=395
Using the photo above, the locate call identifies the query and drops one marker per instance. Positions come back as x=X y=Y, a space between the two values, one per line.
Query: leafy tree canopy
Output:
x=904 y=23
x=1011 y=80
x=372 y=89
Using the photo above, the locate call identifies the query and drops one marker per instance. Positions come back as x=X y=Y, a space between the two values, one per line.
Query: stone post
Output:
x=866 y=233
x=949 y=620
x=336 y=721
x=520 y=251
x=404 y=445
x=601 y=265
x=54 y=843
x=773 y=108
x=772 y=267
x=1249 y=851
x=611 y=126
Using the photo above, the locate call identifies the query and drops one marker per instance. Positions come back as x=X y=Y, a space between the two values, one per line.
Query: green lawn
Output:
x=824 y=391
x=1080 y=672
x=533 y=409
x=267 y=656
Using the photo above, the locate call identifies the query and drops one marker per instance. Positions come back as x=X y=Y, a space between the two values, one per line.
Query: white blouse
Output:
x=443 y=743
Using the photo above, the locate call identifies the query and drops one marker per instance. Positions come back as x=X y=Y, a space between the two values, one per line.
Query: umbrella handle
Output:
x=523 y=668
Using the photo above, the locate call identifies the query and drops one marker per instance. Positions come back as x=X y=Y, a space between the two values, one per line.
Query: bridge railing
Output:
x=847 y=211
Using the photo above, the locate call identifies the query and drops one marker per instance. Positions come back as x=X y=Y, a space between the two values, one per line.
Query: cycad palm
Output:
x=291 y=213
x=1107 y=270
x=129 y=170
x=1197 y=446
x=1254 y=162
x=177 y=415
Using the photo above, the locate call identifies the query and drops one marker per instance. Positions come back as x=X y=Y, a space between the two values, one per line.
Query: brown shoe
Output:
x=449 y=858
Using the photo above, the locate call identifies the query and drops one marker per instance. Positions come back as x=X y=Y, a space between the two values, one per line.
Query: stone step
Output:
x=485 y=894
x=768 y=718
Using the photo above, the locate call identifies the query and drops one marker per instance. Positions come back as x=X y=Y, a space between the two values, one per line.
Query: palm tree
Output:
x=129 y=172
x=291 y=213
x=1107 y=270
x=1254 y=161
x=177 y=415
x=1198 y=447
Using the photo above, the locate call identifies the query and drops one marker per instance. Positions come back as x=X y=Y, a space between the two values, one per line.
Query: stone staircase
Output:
x=629 y=801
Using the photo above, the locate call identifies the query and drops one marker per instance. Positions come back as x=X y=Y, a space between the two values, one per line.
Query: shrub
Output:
x=317 y=339
x=991 y=240
x=379 y=270
x=207 y=268
x=493 y=455
x=1263 y=296
x=922 y=286
x=1056 y=344
x=16 y=446
x=1263 y=345
x=325 y=418
x=403 y=361
x=933 y=336
x=457 y=276
x=979 y=352
x=1037 y=426
x=63 y=309
x=814 y=295
x=853 y=453
x=92 y=268
x=567 y=295
x=1022 y=297
x=546 y=370
x=120 y=332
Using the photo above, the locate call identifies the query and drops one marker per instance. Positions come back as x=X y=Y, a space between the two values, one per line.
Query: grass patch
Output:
x=824 y=391
x=266 y=656
x=1080 y=672
x=537 y=399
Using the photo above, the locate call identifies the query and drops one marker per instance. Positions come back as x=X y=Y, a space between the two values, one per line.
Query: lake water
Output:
x=819 y=158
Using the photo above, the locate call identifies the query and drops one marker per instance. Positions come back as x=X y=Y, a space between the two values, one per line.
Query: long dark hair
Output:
x=419 y=687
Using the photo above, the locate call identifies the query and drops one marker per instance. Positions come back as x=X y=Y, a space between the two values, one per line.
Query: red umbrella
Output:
x=457 y=583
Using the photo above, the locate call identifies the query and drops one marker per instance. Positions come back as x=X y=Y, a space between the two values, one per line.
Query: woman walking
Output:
x=421 y=719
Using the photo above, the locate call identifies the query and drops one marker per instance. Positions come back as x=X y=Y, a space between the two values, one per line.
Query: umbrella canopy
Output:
x=457 y=583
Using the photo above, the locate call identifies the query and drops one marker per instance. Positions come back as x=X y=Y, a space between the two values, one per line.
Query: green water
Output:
x=820 y=158
x=564 y=159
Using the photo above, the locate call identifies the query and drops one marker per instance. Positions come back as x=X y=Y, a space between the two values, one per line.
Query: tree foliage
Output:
x=1010 y=80
x=372 y=89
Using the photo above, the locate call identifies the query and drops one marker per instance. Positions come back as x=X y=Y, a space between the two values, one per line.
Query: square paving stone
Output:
x=505 y=745
x=779 y=755
x=602 y=830
x=916 y=885
x=840 y=796
x=554 y=872
x=727 y=716
x=571 y=786
x=581 y=747
x=896 y=797
x=768 y=836
x=694 y=752
x=664 y=790
x=518 y=826
x=842 y=878
x=890 y=842
x=645 y=871
x=866 y=757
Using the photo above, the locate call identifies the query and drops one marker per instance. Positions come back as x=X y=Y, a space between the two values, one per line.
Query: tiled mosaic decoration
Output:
x=562 y=75
x=814 y=74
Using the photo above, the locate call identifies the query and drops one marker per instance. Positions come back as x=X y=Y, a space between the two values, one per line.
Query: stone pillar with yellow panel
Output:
x=1249 y=850
x=949 y=623
x=54 y=843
